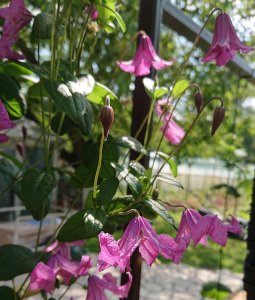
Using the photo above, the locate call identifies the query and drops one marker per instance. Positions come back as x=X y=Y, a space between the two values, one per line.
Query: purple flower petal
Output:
x=225 y=42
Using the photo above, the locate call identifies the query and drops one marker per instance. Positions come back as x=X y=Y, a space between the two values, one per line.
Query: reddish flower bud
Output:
x=107 y=117
x=218 y=117
x=21 y=149
x=199 y=101
x=24 y=132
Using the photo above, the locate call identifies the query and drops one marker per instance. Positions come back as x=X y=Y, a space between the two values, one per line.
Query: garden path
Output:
x=168 y=282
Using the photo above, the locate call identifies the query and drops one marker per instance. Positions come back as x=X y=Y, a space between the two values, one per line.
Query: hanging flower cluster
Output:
x=5 y=123
x=61 y=266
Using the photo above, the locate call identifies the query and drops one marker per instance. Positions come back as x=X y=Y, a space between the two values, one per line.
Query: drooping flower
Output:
x=16 y=17
x=59 y=264
x=5 y=123
x=225 y=42
x=92 y=11
x=96 y=287
x=172 y=132
x=139 y=233
x=145 y=57
x=198 y=228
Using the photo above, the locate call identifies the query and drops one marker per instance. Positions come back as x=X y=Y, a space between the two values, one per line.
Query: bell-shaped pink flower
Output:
x=139 y=233
x=225 y=42
x=16 y=17
x=145 y=57
x=43 y=277
x=198 y=228
x=211 y=226
x=5 y=123
x=97 y=287
x=172 y=132
x=59 y=263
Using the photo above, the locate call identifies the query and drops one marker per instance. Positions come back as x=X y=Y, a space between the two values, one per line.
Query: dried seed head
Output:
x=107 y=117
x=199 y=101
x=218 y=117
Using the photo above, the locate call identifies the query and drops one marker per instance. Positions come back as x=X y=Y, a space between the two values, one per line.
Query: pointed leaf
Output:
x=130 y=142
x=14 y=261
x=82 y=225
x=6 y=293
x=161 y=211
x=36 y=186
x=180 y=87
x=107 y=190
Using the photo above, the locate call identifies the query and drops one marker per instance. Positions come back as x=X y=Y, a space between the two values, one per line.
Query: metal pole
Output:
x=149 y=20
x=249 y=267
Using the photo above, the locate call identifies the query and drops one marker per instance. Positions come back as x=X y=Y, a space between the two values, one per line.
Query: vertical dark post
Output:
x=249 y=267
x=149 y=20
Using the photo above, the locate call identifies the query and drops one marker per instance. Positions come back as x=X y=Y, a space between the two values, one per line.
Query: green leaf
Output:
x=69 y=97
x=14 y=261
x=99 y=94
x=36 y=186
x=82 y=225
x=172 y=163
x=6 y=293
x=130 y=142
x=111 y=12
x=7 y=174
x=67 y=124
x=159 y=92
x=42 y=26
x=133 y=182
x=161 y=211
x=107 y=190
x=137 y=168
x=170 y=180
x=180 y=87
x=15 y=108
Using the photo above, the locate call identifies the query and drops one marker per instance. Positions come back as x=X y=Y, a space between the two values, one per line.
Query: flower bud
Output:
x=155 y=194
x=218 y=117
x=107 y=117
x=199 y=101
x=24 y=132
x=21 y=149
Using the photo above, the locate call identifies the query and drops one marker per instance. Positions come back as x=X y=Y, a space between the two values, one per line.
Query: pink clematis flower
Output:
x=60 y=263
x=172 y=132
x=5 y=123
x=199 y=228
x=96 y=287
x=16 y=17
x=145 y=57
x=139 y=233
x=225 y=42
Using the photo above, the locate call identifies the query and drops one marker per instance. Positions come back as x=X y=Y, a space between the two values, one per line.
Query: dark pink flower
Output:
x=145 y=57
x=59 y=263
x=16 y=17
x=211 y=226
x=90 y=9
x=199 y=228
x=96 y=287
x=139 y=233
x=43 y=277
x=5 y=123
x=172 y=132
x=225 y=42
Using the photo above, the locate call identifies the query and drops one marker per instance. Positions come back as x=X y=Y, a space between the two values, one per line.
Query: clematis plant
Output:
x=59 y=88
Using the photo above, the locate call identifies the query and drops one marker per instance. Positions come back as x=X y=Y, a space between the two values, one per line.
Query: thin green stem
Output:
x=98 y=165
x=63 y=295
x=177 y=148
x=39 y=231
x=194 y=85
